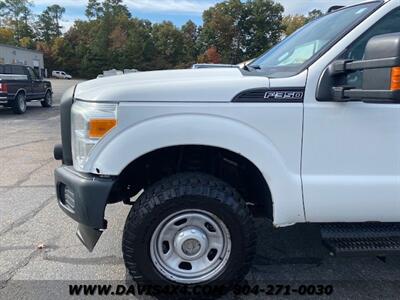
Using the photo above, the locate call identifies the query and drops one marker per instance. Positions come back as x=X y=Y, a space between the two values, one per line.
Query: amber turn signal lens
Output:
x=395 y=79
x=100 y=127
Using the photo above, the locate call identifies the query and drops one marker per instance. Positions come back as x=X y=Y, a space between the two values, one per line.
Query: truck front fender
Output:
x=128 y=143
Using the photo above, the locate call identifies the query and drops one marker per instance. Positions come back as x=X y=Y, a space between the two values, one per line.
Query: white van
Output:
x=61 y=75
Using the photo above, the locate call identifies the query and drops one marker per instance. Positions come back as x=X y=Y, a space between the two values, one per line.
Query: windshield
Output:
x=293 y=54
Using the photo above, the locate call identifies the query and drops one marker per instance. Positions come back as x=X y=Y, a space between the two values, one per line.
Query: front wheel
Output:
x=48 y=100
x=188 y=230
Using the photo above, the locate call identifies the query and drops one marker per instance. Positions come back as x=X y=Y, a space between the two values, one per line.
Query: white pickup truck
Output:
x=307 y=133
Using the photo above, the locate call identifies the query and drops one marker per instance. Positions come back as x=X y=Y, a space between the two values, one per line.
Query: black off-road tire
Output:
x=47 y=100
x=19 y=104
x=188 y=191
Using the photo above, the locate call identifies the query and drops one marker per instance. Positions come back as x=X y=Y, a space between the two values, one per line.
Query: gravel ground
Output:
x=40 y=254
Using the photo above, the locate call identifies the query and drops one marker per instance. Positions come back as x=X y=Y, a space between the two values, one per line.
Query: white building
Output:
x=21 y=56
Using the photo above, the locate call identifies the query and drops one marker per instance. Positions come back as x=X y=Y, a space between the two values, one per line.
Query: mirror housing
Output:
x=380 y=74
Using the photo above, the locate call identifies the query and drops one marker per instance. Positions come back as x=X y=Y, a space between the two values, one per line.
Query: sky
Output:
x=177 y=11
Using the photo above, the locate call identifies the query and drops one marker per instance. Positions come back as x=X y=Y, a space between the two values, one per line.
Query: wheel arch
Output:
x=232 y=168
x=21 y=90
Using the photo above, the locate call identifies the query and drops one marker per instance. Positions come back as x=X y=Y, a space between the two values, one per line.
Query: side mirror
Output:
x=380 y=74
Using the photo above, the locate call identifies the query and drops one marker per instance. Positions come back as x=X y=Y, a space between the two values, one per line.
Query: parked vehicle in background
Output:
x=19 y=85
x=309 y=132
x=61 y=75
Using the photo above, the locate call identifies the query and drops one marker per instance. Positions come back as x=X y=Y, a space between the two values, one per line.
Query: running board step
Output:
x=378 y=239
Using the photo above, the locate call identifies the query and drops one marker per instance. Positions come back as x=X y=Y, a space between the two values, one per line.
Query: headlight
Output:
x=90 y=123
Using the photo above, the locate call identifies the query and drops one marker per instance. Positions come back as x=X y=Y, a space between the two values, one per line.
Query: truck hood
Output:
x=192 y=85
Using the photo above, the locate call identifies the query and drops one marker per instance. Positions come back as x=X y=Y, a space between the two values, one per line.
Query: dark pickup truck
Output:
x=19 y=85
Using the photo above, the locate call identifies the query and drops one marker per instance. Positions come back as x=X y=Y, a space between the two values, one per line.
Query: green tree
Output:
x=6 y=36
x=2 y=7
x=76 y=54
x=222 y=29
x=17 y=14
x=94 y=9
x=233 y=31
x=168 y=42
x=190 y=34
x=263 y=27
x=26 y=42
x=48 y=24
x=241 y=30
x=107 y=37
x=139 y=52
x=56 y=12
x=116 y=8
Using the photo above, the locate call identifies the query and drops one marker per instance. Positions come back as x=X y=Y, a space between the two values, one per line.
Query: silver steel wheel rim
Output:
x=21 y=102
x=191 y=247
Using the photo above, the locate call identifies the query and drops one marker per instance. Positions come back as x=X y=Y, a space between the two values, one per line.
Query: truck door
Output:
x=351 y=151
x=37 y=85
x=21 y=84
